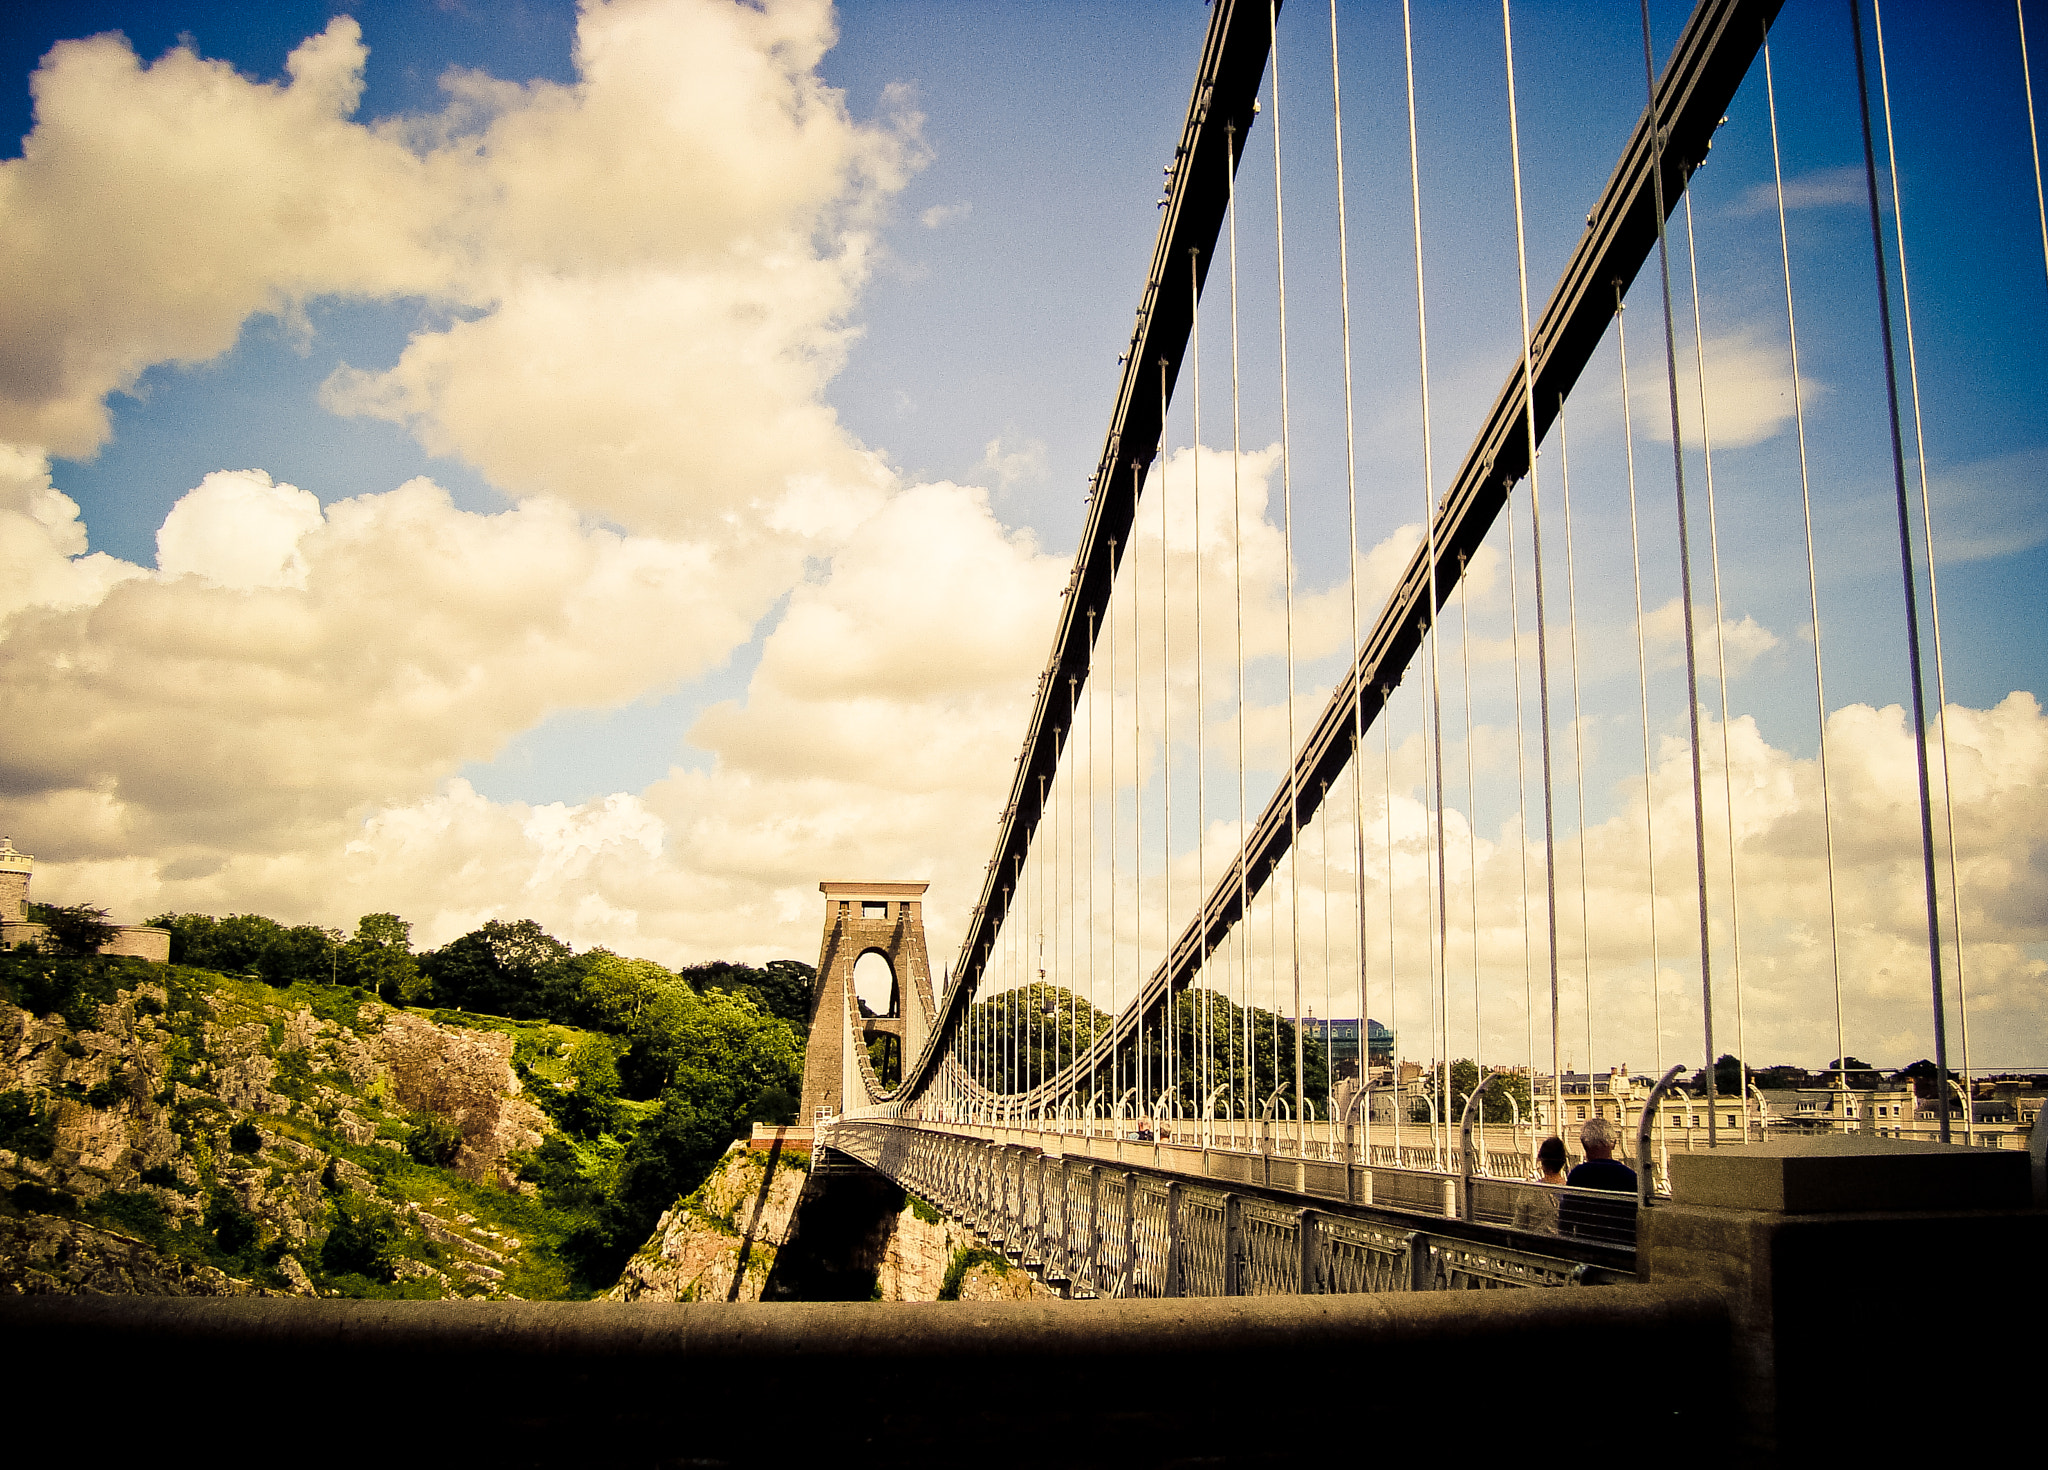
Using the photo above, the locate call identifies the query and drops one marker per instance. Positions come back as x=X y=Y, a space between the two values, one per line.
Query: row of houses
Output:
x=2001 y=1111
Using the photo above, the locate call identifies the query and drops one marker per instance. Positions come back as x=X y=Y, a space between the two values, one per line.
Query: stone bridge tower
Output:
x=860 y=919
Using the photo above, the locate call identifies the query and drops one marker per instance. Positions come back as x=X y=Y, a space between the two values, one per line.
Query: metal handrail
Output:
x=1643 y=1136
x=1465 y=1146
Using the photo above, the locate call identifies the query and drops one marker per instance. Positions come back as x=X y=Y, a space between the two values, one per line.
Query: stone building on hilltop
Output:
x=17 y=929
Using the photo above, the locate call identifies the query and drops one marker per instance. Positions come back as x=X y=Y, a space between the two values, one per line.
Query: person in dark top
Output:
x=1599 y=1219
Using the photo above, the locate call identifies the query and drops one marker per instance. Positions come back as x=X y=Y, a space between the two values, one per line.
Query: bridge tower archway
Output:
x=863 y=919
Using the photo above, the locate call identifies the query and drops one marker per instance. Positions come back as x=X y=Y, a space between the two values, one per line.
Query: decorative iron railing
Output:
x=1091 y=1227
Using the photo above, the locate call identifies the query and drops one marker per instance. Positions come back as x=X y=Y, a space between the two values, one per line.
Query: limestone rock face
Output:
x=43 y=1255
x=695 y=1247
x=465 y=1077
x=199 y=1118
x=915 y=1259
x=694 y=1251
x=990 y=1283
x=919 y=1254
x=242 y=1068
x=295 y=1274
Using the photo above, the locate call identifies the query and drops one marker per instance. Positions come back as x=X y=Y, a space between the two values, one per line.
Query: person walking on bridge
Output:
x=1535 y=1210
x=1600 y=1219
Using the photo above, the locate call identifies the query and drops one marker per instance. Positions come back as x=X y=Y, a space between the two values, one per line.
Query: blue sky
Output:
x=984 y=233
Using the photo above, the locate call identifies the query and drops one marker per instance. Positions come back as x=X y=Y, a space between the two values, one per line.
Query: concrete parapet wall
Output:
x=995 y=1384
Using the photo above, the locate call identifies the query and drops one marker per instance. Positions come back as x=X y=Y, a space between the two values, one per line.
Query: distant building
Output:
x=17 y=929
x=1613 y=1094
x=1340 y=1036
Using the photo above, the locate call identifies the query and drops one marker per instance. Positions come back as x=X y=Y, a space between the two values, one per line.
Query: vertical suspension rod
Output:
x=1891 y=394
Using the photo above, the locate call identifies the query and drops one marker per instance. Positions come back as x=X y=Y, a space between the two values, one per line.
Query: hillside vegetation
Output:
x=231 y=1122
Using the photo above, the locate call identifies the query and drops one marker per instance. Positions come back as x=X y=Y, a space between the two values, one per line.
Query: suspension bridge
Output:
x=1105 y=1074
x=1244 y=793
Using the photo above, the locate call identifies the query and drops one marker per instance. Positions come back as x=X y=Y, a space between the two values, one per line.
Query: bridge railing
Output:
x=1089 y=1225
x=1266 y=1144
x=1420 y=1179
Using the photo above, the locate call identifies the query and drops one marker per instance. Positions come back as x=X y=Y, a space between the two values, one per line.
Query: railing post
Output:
x=1095 y=1228
x=1130 y=1233
x=1233 y=1246
x=1174 y=1284
x=1418 y=1275
x=1308 y=1249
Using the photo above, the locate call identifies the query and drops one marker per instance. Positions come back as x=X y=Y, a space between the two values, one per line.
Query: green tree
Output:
x=233 y=1228
x=385 y=929
x=305 y=952
x=727 y=1053
x=76 y=929
x=434 y=1140
x=592 y=1106
x=27 y=1125
x=1923 y=1074
x=1782 y=1077
x=508 y=969
x=1727 y=1077
x=617 y=991
x=362 y=1239
x=782 y=988
x=230 y=946
x=669 y=1157
x=379 y=959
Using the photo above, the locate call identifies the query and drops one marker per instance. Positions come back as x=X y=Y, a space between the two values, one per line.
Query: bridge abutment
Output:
x=836 y=1236
x=1879 y=1290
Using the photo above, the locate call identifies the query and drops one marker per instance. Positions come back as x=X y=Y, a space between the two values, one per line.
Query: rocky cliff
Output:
x=695 y=1250
x=169 y=1130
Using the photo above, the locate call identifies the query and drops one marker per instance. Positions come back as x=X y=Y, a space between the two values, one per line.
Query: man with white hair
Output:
x=1600 y=1219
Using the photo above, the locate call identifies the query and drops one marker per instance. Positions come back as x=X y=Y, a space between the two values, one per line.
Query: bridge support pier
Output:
x=1880 y=1292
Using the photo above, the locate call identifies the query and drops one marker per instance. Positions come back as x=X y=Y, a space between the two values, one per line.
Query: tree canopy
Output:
x=78 y=928
x=516 y=969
